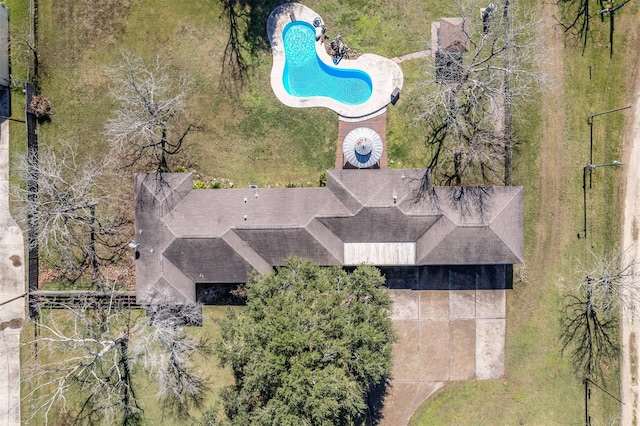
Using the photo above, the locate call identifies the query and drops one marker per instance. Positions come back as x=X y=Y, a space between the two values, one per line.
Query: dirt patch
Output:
x=14 y=323
x=124 y=273
x=552 y=212
x=16 y=261
x=631 y=234
x=630 y=355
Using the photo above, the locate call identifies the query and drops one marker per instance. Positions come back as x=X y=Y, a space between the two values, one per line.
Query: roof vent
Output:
x=362 y=147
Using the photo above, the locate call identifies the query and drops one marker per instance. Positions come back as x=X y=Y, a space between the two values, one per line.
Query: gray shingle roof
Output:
x=186 y=236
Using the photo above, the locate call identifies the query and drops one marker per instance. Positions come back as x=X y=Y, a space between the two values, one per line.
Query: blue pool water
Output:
x=305 y=75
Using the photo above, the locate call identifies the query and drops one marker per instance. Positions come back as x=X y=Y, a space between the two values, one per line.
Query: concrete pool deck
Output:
x=386 y=75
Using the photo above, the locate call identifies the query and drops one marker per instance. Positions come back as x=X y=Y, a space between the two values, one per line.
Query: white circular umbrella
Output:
x=362 y=147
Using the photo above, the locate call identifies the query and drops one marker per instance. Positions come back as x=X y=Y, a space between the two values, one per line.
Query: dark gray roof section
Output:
x=207 y=259
x=379 y=224
x=276 y=245
x=453 y=34
x=187 y=236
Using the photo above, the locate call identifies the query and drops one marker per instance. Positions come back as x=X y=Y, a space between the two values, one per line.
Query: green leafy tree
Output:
x=309 y=347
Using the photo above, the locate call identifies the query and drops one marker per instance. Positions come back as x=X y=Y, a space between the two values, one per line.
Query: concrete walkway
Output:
x=414 y=55
x=12 y=287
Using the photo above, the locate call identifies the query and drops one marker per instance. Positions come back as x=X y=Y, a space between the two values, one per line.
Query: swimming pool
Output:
x=305 y=75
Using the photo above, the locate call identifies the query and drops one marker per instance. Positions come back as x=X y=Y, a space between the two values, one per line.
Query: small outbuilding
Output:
x=449 y=41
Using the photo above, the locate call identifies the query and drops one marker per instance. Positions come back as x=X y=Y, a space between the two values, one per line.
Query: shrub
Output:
x=322 y=181
x=41 y=107
x=198 y=184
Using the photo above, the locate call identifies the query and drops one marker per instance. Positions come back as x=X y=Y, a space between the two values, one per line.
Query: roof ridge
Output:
x=312 y=229
x=334 y=183
x=443 y=236
x=157 y=181
x=498 y=232
x=165 y=260
x=508 y=202
x=244 y=250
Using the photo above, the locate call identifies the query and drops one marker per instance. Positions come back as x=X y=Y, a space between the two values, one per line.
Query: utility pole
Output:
x=590 y=167
x=590 y=118
x=587 y=397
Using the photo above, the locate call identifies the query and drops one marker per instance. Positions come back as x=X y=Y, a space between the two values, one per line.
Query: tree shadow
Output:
x=467 y=201
x=247 y=23
x=375 y=401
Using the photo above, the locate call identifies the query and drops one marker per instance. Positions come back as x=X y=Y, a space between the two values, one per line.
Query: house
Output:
x=190 y=241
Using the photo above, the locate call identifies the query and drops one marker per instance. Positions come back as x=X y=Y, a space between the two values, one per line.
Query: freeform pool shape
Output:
x=303 y=74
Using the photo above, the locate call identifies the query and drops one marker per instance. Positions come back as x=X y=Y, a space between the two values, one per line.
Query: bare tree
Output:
x=613 y=280
x=588 y=333
x=471 y=89
x=575 y=19
x=181 y=387
x=88 y=349
x=81 y=362
x=592 y=309
x=24 y=52
x=81 y=218
x=149 y=124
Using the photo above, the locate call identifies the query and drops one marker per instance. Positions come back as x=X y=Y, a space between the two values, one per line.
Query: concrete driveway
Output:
x=12 y=287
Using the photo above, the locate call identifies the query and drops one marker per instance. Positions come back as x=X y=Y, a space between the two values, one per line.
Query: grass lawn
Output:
x=249 y=137
x=217 y=377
